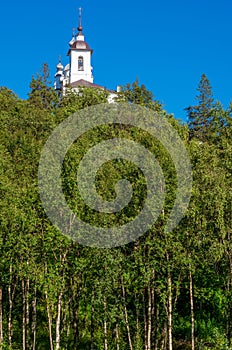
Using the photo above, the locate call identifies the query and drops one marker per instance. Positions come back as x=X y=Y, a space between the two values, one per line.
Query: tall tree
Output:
x=200 y=116
x=42 y=94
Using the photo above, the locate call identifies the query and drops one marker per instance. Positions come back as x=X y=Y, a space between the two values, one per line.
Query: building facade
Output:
x=79 y=71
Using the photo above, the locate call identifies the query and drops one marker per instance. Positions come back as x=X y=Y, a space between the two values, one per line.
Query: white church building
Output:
x=78 y=72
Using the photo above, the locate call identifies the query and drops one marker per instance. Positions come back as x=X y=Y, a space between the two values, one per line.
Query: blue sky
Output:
x=166 y=44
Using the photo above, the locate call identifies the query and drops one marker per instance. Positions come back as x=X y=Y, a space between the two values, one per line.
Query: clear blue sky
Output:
x=166 y=44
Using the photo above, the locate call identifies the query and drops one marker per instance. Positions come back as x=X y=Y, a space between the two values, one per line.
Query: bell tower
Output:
x=80 y=55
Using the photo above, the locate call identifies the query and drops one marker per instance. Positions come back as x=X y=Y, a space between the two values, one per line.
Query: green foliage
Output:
x=200 y=116
x=134 y=93
x=42 y=95
x=89 y=282
x=73 y=101
x=214 y=338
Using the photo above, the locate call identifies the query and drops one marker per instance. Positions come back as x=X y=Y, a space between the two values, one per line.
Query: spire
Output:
x=80 y=28
x=59 y=66
x=73 y=37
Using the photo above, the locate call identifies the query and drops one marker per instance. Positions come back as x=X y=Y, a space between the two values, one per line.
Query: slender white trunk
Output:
x=117 y=336
x=1 y=320
x=92 y=323
x=192 y=308
x=34 y=319
x=144 y=320
x=137 y=321
x=153 y=313
x=229 y=291
x=105 y=325
x=227 y=310
x=75 y=326
x=149 y=319
x=169 y=304
x=10 y=298
x=58 y=320
x=24 y=315
x=49 y=321
x=169 y=311
x=68 y=335
x=164 y=338
x=27 y=313
x=126 y=315
x=157 y=329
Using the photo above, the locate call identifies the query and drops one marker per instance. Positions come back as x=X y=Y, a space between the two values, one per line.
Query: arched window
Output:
x=80 y=63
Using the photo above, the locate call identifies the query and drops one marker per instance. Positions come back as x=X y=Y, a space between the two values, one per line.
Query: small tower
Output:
x=80 y=56
x=78 y=72
x=59 y=77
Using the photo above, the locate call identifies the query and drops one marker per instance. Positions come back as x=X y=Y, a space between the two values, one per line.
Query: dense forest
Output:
x=166 y=290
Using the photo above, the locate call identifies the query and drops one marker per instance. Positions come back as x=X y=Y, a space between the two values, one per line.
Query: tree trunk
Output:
x=27 y=313
x=149 y=318
x=34 y=319
x=58 y=320
x=92 y=323
x=49 y=321
x=228 y=310
x=169 y=311
x=68 y=335
x=117 y=336
x=105 y=325
x=137 y=321
x=1 y=320
x=191 y=308
x=228 y=293
x=157 y=329
x=144 y=320
x=24 y=316
x=126 y=315
x=11 y=291
x=153 y=313
x=169 y=303
x=75 y=326
x=163 y=344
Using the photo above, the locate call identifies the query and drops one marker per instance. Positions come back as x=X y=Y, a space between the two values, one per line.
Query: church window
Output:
x=80 y=63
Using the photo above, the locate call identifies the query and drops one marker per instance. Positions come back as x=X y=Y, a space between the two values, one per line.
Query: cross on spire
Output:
x=73 y=32
x=80 y=28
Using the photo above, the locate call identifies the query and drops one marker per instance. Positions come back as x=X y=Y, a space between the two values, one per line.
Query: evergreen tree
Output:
x=42 y=94
x=200 y=116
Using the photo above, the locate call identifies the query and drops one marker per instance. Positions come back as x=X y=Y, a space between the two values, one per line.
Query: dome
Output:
x=67 y=67
x=59 y=66
x=71 y=41
x=80 y=45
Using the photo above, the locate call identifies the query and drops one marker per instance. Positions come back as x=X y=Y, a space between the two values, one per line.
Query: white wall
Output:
x=86 y=74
